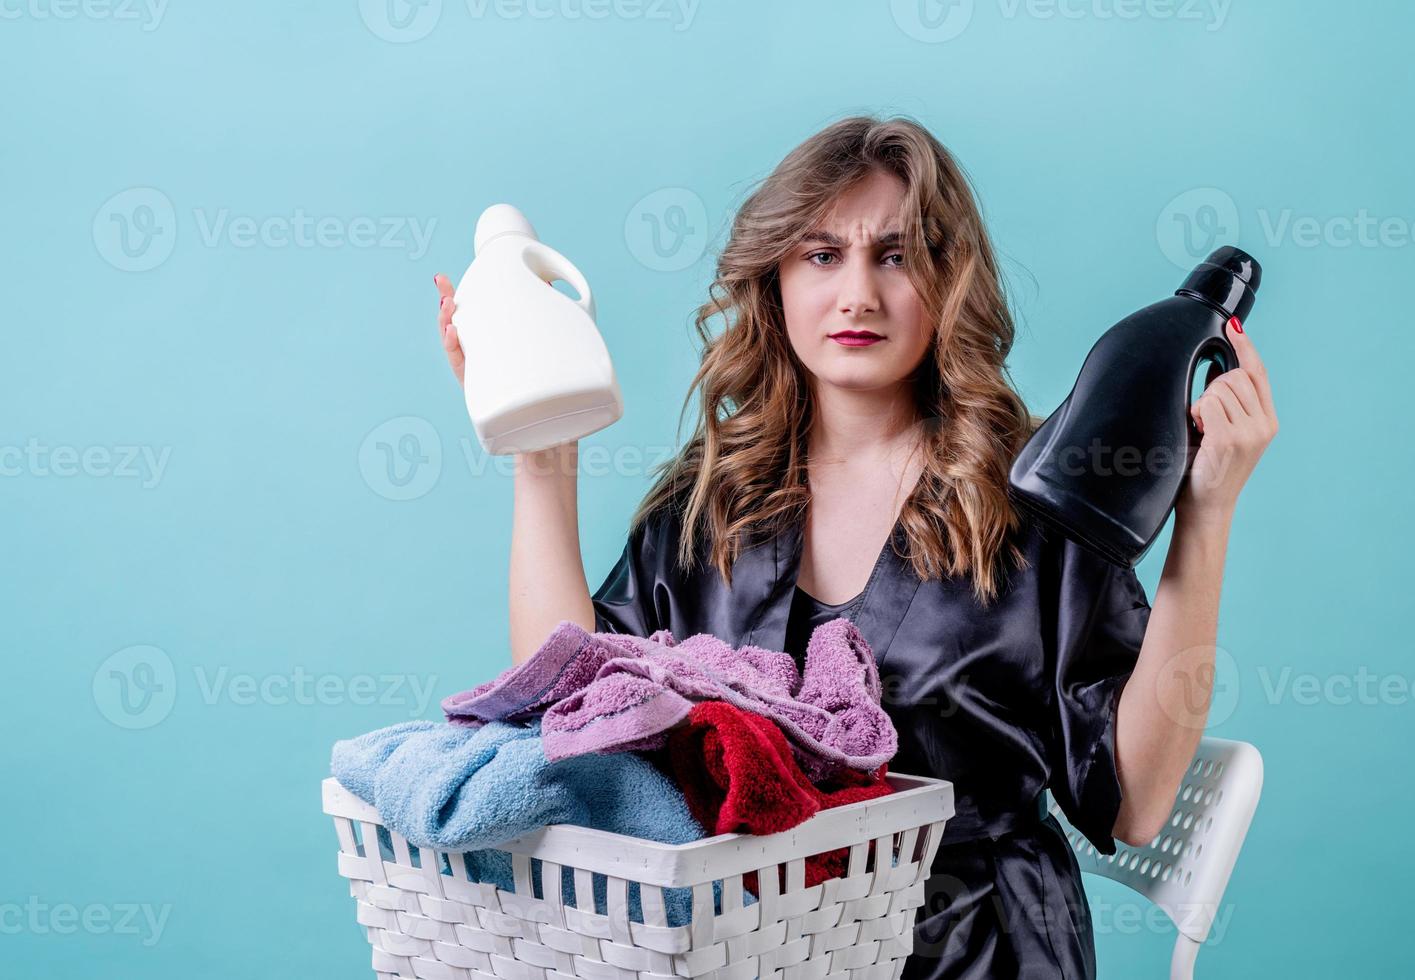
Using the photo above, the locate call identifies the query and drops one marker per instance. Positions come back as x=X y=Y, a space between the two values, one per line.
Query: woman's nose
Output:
x=859 y=293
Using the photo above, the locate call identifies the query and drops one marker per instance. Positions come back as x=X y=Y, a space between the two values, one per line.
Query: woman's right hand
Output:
x=547 y=574
x=450 y=344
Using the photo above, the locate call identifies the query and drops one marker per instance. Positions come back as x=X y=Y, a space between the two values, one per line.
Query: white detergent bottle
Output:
x=537 y=372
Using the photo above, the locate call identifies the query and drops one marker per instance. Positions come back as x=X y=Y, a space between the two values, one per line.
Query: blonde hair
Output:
x=743 y=472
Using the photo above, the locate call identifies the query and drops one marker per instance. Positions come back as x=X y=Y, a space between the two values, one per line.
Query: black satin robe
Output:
x=1005 y=701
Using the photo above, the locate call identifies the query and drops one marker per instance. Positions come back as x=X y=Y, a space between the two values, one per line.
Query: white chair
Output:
x=1186 y=868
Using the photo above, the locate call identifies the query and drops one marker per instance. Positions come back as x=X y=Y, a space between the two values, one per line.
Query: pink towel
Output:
x=611 y=692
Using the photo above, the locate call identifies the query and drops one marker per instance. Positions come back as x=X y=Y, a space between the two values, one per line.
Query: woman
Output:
x=851 y=457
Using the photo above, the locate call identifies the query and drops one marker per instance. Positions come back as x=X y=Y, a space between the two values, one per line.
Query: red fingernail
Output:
x=1233 y=322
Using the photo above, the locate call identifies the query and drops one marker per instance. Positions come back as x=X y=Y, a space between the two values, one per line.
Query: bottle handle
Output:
x=1221 y=355
x=550 y=265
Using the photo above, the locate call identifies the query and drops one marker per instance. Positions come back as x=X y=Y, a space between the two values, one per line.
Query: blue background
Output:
x=265 y=583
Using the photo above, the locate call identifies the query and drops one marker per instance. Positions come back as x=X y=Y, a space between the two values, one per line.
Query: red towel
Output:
x=739 y=776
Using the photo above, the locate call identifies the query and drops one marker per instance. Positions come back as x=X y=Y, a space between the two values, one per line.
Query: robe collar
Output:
x=770 y=569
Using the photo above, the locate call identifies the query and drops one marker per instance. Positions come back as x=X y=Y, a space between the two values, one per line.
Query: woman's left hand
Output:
x=1236 y=418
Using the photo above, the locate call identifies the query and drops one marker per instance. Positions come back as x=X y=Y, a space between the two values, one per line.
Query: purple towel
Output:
x=611 y=692
x=564 y=664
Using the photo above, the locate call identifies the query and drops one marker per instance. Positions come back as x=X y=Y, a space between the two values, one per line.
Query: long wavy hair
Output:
x=743 y=472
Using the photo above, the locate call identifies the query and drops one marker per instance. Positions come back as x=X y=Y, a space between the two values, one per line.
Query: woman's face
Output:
x=849 y=277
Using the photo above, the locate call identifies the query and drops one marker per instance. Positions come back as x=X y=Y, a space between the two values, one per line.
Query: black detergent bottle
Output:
x=1107 y=466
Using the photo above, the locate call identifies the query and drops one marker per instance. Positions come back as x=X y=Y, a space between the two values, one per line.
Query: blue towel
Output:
x=463 y=789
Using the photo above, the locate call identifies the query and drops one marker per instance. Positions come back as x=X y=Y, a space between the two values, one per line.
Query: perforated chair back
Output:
x=1186 y=868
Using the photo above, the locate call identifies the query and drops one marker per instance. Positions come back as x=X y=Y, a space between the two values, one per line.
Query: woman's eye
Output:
x=828 y=258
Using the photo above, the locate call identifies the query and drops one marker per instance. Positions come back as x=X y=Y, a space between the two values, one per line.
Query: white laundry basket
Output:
x=426 y=920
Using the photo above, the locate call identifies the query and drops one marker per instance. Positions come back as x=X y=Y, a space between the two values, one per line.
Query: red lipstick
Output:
x=856 y=338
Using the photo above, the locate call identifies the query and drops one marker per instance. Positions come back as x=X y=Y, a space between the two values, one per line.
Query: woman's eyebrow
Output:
x=888 y=240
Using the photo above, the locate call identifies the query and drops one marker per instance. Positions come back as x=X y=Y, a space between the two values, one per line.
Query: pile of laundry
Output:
x=643 y=736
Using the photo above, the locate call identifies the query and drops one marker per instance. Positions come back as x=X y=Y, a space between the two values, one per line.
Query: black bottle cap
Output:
x=1228 y=279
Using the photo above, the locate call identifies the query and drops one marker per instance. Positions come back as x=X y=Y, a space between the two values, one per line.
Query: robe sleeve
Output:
x=1102 y=613
x=626 y=601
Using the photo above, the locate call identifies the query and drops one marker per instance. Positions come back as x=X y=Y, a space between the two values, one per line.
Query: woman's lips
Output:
x=856 y=338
